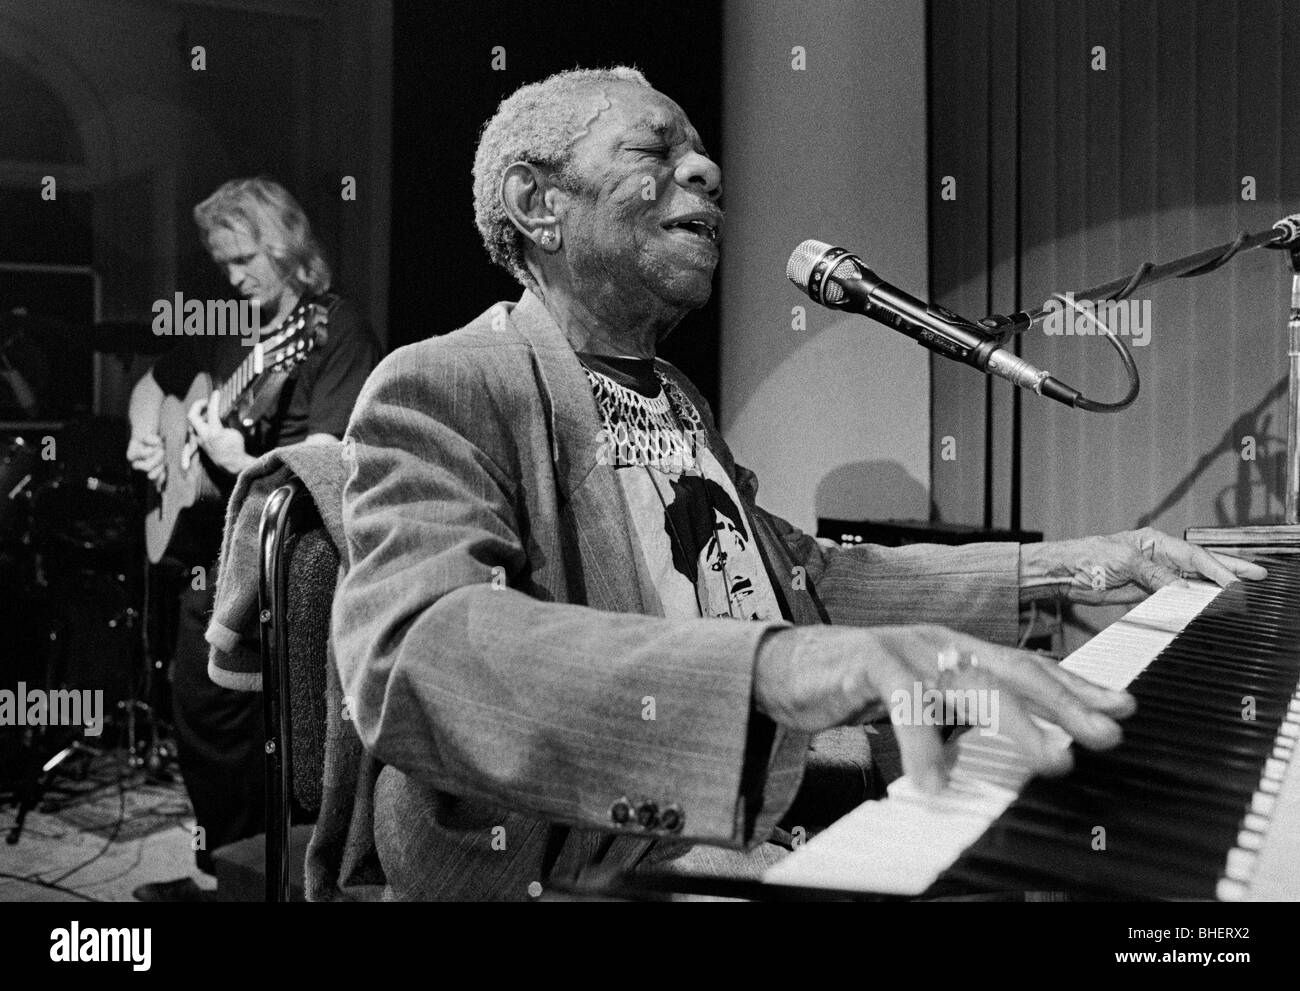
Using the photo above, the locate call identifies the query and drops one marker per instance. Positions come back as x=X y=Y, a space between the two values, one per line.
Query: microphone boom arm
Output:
x=1283 y=234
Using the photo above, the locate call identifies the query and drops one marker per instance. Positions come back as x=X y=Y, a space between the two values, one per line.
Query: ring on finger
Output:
x=952 y=662
x=952 y=659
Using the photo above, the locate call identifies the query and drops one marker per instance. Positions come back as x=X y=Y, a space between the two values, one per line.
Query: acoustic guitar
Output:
x=246 y=396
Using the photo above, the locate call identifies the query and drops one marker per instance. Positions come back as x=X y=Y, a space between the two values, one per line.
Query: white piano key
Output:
x=1276 y=875
x=1230 y=891
x=1248 y=840
x=1254 y=822
x=1240 y=864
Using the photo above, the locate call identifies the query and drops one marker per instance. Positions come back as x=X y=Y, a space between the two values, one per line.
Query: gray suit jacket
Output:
x=498 y=650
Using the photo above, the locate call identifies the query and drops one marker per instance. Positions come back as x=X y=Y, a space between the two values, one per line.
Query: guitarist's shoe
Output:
x=183 y=889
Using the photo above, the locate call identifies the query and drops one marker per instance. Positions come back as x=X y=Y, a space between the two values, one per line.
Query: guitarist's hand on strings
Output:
x=145 y=452
x=224 y=445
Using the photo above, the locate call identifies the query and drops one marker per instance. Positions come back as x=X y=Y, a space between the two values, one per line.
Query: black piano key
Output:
x=1203 y=734
x=1230 y=777
x=1155 y=844
x=982 y=870
x=1214 y=662
x=1193 y=681
x=1086 y=808
x=1155 y=696
x=1139 y=786
x=1013 y=844
x=1232 y=638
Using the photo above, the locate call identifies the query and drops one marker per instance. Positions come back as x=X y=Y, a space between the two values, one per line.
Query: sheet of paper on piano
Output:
x=902 y=844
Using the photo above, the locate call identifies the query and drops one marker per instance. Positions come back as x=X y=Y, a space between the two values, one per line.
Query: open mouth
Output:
x=699 y=227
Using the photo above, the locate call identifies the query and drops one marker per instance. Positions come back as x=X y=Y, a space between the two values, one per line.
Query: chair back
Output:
x=297 y=570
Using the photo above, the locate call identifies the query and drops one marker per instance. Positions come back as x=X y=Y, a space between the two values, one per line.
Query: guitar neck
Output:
x=233 y=389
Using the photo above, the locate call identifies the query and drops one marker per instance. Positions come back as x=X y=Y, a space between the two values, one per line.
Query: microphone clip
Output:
x=1003 y=328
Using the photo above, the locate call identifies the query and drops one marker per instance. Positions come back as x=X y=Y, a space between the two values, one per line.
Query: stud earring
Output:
x=549 y=238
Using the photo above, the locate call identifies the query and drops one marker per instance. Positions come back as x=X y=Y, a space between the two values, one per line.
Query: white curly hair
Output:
x=538 y=123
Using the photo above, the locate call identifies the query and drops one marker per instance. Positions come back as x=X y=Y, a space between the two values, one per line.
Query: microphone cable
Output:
x=1125 y=356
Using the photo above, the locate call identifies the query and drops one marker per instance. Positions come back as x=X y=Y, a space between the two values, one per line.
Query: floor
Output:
x=102 y=830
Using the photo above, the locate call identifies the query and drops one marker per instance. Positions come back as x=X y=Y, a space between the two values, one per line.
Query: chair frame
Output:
x=284 y=504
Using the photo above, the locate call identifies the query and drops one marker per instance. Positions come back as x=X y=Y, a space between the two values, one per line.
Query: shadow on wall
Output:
x=1259 y=488
x=839 y=400
x=882 y=489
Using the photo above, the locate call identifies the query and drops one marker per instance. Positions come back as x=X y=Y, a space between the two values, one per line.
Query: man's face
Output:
x=248 y=267
x=645 y=218
x=725 y=548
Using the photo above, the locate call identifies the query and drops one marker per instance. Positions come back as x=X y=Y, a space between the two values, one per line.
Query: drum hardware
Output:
x=70 y=537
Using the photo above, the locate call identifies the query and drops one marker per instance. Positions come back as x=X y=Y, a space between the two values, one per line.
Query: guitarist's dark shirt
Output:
x=317 y=399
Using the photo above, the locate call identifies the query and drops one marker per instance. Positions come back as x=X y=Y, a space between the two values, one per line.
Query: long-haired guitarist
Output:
x=260 y=237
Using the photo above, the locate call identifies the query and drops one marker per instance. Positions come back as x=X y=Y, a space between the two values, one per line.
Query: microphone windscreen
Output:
x=799 y=270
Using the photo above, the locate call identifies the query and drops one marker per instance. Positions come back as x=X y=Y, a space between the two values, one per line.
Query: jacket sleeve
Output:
x=457 y=677
x=974 y=588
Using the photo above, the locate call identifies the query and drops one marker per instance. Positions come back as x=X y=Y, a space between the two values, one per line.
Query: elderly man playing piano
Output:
x=546 y=536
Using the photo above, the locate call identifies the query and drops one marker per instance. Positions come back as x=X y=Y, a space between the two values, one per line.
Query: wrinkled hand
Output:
x=838 y=676
x=145 y=453
x=224 y=445
x=1123 y=568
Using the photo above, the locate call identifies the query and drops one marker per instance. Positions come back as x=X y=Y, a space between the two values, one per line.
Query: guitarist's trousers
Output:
x=219 y=734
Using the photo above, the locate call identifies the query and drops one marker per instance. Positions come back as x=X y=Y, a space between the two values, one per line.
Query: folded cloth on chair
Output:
x=236 y=661
x=342 y=864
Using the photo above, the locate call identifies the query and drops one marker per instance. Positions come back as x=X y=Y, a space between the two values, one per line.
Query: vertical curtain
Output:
x=1068 y=174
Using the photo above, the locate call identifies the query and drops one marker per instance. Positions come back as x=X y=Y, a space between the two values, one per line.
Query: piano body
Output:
x=1200 y=801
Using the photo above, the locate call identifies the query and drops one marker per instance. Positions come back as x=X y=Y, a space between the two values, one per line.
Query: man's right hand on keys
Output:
x=815 y=678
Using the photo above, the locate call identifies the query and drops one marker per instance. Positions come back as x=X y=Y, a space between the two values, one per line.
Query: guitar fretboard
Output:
x=233 y=389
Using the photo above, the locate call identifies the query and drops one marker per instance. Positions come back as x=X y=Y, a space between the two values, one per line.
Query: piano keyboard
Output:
x=1197 y=802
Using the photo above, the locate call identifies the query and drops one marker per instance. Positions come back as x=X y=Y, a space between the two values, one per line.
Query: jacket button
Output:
x=647 y=814
x=672 y=818
x=621 y=811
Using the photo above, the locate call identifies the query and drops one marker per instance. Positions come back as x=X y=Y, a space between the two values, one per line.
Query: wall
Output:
x=1072 y=171
x=834 y=418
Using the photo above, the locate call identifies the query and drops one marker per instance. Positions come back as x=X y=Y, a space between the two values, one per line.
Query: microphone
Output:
x=838 y=279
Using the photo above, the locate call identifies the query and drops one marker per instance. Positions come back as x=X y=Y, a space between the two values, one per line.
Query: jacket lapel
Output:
x=590 y=493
